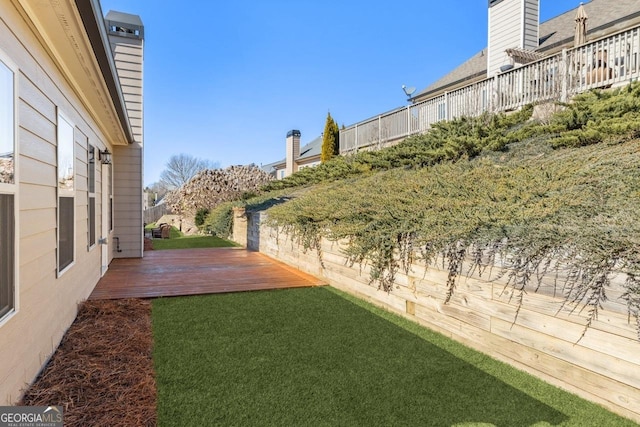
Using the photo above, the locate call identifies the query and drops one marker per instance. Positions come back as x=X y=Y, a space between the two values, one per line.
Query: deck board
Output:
x=197 y=271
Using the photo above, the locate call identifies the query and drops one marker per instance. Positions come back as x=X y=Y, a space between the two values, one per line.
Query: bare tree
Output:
x=181 y=168
x=155 y=191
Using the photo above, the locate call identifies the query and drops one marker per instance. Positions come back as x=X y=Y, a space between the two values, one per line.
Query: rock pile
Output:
x=6 y=170
x=211 y=187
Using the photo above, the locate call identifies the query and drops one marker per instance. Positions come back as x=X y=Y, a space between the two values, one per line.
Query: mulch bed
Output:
x=102 y=373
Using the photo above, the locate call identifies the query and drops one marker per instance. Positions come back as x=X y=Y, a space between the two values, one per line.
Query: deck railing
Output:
x=605 y=62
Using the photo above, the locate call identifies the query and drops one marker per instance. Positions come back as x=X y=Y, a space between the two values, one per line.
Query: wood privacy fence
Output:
x=611 y=60
x=154 y=213
x=544 y=338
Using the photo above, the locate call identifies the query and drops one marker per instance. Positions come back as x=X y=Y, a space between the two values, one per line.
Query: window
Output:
x=66 y=194
x=7 y=190
x=7 y=247
x=91 y=187
x=7 y=130
x=110 y=193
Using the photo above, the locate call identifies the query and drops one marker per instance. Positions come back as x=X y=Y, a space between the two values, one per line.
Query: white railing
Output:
x=611 y=60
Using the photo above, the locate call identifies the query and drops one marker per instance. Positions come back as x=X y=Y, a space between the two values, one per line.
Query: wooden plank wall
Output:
x=544 y=340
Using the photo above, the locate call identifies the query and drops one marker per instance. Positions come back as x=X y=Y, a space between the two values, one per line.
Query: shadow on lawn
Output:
x=310 y=357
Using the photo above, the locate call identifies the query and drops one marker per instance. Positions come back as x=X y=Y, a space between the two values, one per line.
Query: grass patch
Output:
x=189 y=242
x=177 y=240
x=318 y=357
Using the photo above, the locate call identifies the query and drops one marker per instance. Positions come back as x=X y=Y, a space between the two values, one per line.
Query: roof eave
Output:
x=91 y=15
x=309 y=158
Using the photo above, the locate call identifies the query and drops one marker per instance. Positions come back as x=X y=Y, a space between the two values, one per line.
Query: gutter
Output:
x=91 y=15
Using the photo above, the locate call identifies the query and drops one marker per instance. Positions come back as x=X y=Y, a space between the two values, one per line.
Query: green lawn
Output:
x=316 y=356
x=177 y=240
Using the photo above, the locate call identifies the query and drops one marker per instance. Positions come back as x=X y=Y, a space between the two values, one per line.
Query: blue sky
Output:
x=225 y=81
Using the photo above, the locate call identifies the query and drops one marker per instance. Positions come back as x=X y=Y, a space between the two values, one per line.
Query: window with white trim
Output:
x=110 y=192
x=7 y=189
x=66 y=194
x=91 y=188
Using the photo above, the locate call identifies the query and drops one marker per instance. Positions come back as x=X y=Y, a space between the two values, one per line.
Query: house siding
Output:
x=307 y=163
x=128 y=161
x=128 y=54
x=512 y=23
x=128 y=197
x=531 y=24
x=46 y=304
x=292 y=153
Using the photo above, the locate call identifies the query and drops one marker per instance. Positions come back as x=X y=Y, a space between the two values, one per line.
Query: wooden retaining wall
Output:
x=544 y=340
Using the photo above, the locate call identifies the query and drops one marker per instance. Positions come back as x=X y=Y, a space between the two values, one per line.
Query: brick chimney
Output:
x=293 y=151
x=512 y=24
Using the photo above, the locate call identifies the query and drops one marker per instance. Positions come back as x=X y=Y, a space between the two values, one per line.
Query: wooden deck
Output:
x=197 y=271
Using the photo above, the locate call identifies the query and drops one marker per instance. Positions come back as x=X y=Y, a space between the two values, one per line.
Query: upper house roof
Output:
x=605 y=17
x=308 y=151
x=312 y=149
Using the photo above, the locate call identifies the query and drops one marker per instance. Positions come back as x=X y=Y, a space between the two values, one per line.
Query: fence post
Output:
x=355 y=148
x=498 y=101
x=408 y=120
x=446 y=106
x=240 y=227
x=564 y=95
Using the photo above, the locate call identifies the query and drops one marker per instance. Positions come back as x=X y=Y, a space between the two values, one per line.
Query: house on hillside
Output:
x=595 y=45
x=296 y=157
x=520 y=17
x=71 y=150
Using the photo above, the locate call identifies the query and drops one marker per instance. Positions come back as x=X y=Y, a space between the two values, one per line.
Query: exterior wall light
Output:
x=105 y=157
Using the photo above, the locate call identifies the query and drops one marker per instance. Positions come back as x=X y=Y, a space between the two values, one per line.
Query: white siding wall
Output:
x=292 y=153
x=128 y=54
x=128 y=161
x=127 y=200
x=512 y=24
x=531 y=24
x=47 y=304
x=308 y=164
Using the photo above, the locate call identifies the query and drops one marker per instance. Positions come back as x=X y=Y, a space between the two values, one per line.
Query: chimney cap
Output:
x=124 y=24
x=293 y=132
